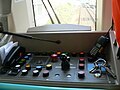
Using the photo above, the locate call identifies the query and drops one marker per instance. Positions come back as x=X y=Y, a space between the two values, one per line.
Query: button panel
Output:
x=41 y=66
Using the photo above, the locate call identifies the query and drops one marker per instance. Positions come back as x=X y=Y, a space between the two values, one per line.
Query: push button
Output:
x=39 y=68
x=48 y=66
x=28 y=67
x=45 y=73
x=81 y=66
x=24 y=72
x=82 y=54
x=54 y=57
x=82 y=60
x=81 y=74
x=35 y=72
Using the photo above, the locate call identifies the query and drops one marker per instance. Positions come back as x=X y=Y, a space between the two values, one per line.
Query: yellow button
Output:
x=48 y=66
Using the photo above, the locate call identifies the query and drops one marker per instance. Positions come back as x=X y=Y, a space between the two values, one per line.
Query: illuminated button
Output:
x=18 y=66
x=82 y=60
x=48 y=66
x=81 y=66
x=68 y=58
x=23 y=60
x=82 y=54
x=26 y=57
x=20 y=54
x=24 y=72
x=81 y=74
x=63 y=57
x=35 y=72
x=58 y=53
x=39 y=68
x=29 y=54
x=52 y=53
x=66 y=53
x=21 y=63
x=74 y=54
x=45 y=73
x=54 y=57
x=28 y=67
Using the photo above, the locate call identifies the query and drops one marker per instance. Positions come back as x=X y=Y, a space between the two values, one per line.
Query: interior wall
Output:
x=104 y=15
x=22 y=17
x=107 y=15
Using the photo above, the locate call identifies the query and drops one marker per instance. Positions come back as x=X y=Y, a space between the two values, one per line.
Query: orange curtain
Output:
x=116 y=18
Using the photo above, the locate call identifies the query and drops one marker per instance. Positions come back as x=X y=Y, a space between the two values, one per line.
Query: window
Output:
x=102 y=16
x=81 y=12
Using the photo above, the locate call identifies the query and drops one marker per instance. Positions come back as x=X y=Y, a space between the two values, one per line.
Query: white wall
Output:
x=104 y=15
x=22 y=15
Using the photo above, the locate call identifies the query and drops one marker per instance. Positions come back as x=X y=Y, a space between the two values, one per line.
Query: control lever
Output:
x=65 y=65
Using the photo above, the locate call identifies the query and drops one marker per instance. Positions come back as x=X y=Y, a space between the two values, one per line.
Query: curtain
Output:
x=116 y=18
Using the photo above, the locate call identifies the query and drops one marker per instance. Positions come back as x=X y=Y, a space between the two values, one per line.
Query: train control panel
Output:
x=62 y=65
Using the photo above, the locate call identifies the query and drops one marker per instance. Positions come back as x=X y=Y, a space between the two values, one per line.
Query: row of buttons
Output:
x=37 y=70
x=74 y=54
x=81 y=73
x=17 y=67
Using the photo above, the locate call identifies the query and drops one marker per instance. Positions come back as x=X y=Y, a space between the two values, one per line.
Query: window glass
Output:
x=81 y=12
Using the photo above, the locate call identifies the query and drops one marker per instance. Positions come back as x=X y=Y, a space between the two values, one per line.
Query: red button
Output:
x=81 y=66
x=82 y=60
x=82 y=54
x=54 y=57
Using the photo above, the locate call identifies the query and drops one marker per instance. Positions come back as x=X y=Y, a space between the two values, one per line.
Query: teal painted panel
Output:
x=7 y=86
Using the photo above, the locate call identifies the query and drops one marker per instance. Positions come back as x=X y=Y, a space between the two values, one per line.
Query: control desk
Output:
x=67 y=64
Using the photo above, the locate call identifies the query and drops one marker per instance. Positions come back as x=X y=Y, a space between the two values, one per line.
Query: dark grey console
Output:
x=43 y=64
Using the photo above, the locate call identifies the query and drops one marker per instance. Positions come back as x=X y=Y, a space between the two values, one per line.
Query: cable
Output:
x=48 y=12
x=107 y=34
x=54 y=12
